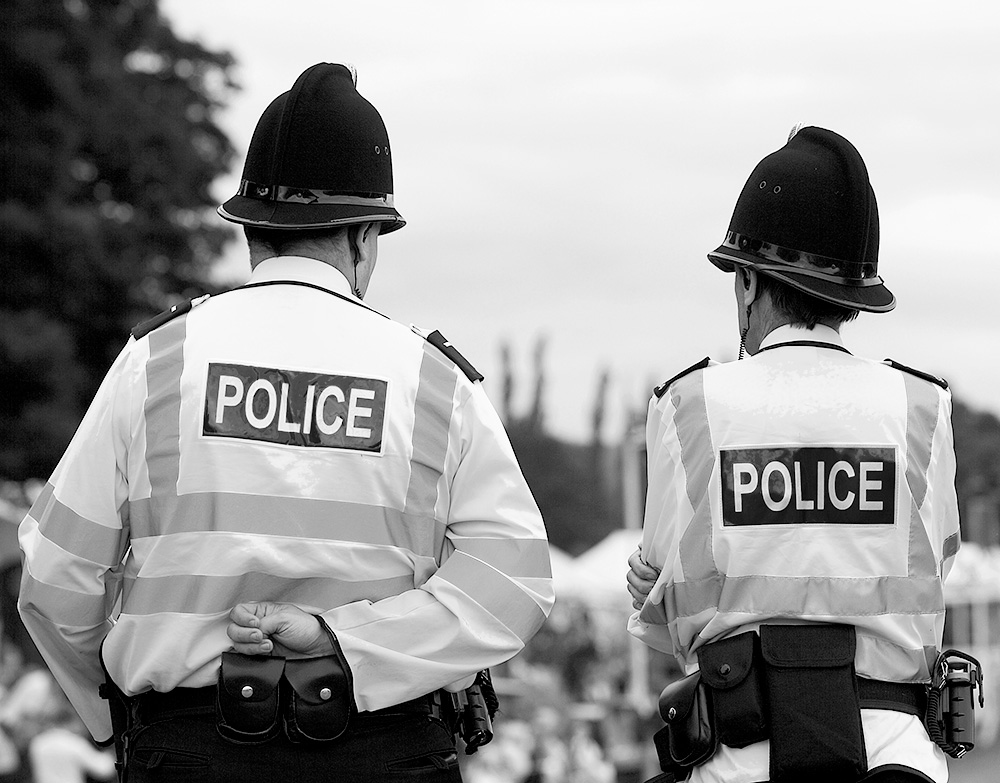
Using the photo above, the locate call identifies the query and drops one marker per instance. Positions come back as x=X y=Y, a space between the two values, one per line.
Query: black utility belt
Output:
x=794 y=685
x=310 y=699
x=257 y=697
x=154 y=705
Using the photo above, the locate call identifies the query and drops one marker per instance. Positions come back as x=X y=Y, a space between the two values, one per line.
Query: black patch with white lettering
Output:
x=833 y=485
x=295 y=408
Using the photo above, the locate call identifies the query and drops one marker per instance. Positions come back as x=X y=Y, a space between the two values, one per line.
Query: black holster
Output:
x=689 y=738
x=812 y=695
x=258 y=696
x=319 y=699
x=468 y=714
x=248 y=698
x=732 y=669
x=950 y=718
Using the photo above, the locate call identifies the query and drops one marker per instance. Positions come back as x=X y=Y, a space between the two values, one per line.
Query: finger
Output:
x=245 y=615
x=637 y=583
x=249 y=641
x=637 y=604
x=637 y=595
x=263 y=648
x=644 y=570
x=243 y=635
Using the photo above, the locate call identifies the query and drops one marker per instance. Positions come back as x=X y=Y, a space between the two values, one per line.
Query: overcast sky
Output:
x=564 y=166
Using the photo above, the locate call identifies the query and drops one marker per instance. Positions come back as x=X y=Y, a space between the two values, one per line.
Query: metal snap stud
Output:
x=263 y=190
x=725 y=669
x=247 y=691
x=671 y=713
x=325 y=694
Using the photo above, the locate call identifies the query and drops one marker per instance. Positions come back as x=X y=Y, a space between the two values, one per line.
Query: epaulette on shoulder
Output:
x=145 y=327
x=438 y=340
x=919 y=373
x=660 y=390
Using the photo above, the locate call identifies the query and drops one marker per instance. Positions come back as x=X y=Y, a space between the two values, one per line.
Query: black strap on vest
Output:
x=313 y=286
x=808 y=344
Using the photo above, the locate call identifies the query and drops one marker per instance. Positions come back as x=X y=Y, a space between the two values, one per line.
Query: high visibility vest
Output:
x=284 y=442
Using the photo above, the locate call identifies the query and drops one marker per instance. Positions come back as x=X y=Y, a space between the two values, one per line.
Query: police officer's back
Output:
x=801 y=512
x=312 y=513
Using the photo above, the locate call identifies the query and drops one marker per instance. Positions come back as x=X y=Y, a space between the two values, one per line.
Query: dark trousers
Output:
x=186 y=748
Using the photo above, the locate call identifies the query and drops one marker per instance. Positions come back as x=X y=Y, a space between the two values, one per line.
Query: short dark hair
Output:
x=279 y=238
x=800 y=307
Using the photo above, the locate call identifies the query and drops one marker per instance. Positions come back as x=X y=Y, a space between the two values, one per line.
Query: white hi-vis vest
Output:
x=288 y=444
x=803 y=484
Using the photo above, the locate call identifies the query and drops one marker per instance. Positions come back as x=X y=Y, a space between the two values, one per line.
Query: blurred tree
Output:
x=108 y=148
x=977 y=454
x=507 y=395
x=536 y=417
x=600 y=407
x=568 y=480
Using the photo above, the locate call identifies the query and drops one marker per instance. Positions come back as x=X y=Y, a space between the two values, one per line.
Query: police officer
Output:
x=801 y=513
x=310 y=515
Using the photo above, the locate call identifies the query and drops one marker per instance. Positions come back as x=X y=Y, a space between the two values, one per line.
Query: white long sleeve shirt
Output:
x=284 y=443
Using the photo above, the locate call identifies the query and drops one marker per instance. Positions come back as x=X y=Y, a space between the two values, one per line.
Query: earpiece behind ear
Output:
x=746 y=278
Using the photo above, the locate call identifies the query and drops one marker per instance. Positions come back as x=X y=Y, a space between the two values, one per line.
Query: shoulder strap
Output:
x=919 y=373
x=438 y=340
x=660 y=390
x=145 y=327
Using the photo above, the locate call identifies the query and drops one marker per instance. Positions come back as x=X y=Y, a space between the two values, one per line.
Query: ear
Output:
x=749 y=278
x=357 y=240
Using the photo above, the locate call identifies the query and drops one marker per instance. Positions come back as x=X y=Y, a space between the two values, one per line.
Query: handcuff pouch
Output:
x=689 y=738
x=812 y=695
x=732 y=669
x=248 y=707
x=320 y=699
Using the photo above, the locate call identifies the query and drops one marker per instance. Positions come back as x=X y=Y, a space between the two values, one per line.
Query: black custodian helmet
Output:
x=808 y=217
x=319 y=158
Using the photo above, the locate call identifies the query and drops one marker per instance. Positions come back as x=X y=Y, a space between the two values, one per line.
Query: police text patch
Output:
x=295 y=408
x=839 y=485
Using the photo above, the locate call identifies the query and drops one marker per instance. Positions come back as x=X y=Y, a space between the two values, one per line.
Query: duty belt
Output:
x=153 y=705
x=906 y=697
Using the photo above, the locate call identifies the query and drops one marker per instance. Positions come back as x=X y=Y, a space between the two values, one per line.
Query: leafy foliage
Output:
x=107 y=152
x=576 y=486
x=977 y=453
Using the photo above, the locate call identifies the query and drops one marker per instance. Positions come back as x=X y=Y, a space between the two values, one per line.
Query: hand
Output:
x=641 y=578
x=268 y=628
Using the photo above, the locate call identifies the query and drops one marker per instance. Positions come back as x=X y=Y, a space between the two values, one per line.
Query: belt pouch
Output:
x=731 y=668
x=688 y=739
x=812 y=695
x=320 y=701
x=247 y=705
